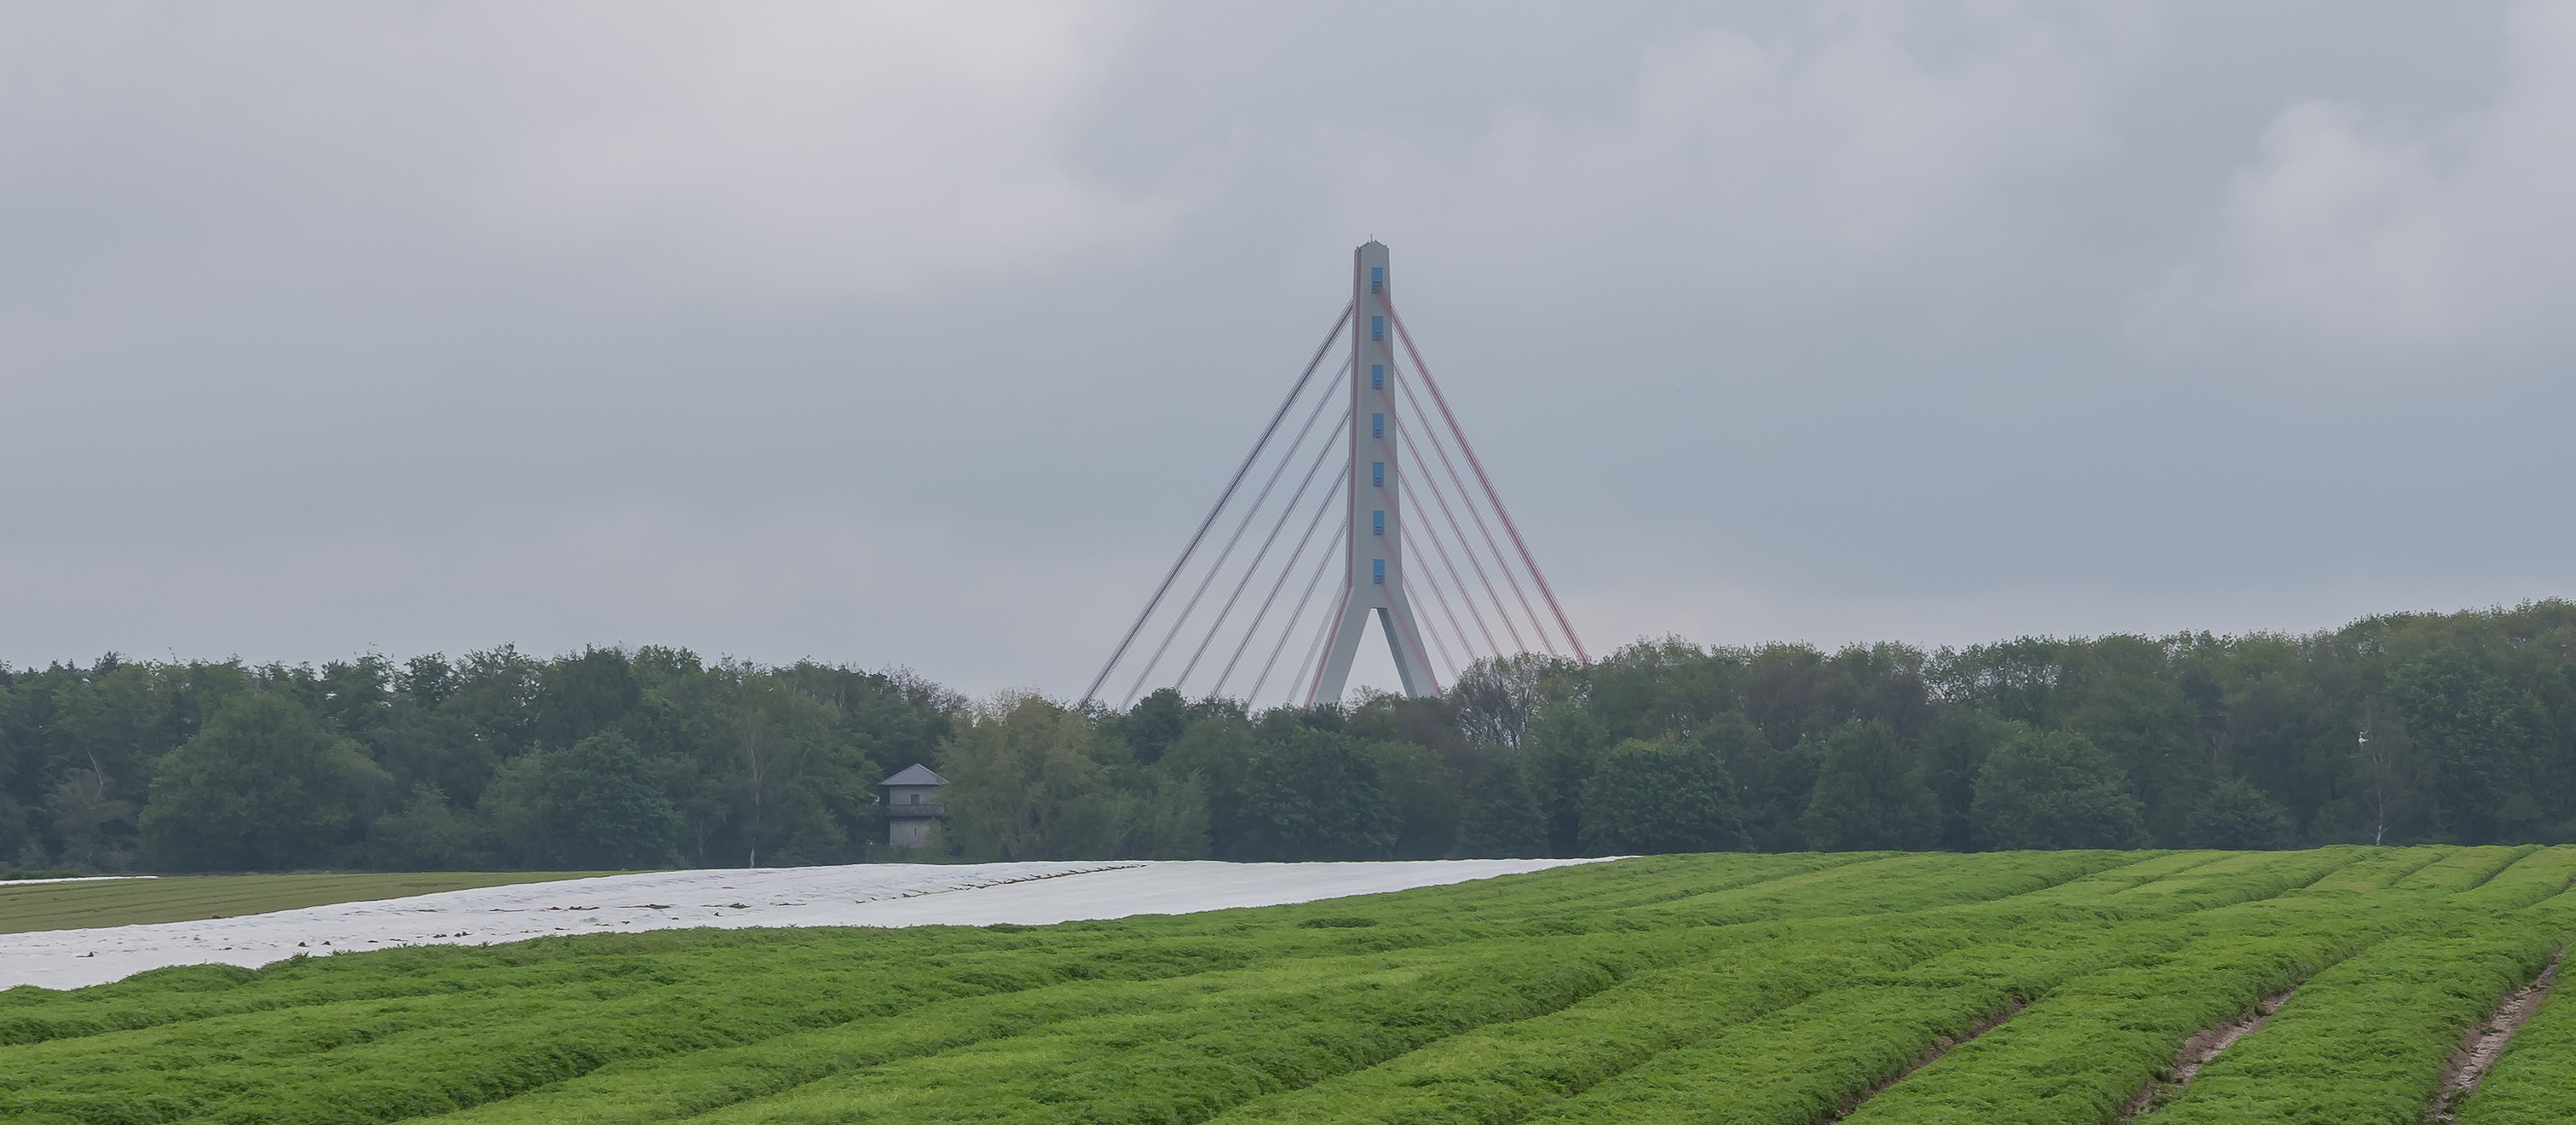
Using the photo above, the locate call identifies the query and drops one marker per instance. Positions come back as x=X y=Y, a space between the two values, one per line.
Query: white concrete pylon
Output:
x=1374 y=581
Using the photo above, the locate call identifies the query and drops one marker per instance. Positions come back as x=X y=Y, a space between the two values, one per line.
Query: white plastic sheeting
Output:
x=859 y=895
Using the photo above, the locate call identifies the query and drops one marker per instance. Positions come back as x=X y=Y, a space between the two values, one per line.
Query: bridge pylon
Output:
x=1373 y=577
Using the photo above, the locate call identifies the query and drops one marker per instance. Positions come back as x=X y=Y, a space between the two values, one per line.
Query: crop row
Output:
x=425 y=1052
x=2535 y=1081
x=2080 y=1054
x=614 y=1095
x=1750 y=969
x=1774 y=988
x=1810 y=1062
x=2364 y=1042
x=1976 y=965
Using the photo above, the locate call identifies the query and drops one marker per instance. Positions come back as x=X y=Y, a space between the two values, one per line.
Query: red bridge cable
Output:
x=1527 y=559
x=1465 y=546
x=1290 y=629
x=1296 y=555
x=1431 y=581
x=1467 y=500
x=1257 y=446
x=1442 y=550
x=1286 y=458
x=1253 y=569
x=1448 y=664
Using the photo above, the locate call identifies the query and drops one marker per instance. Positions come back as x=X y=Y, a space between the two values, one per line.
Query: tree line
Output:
x=2397 y=729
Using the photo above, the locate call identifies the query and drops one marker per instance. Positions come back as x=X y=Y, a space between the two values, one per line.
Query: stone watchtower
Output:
x=911 y=803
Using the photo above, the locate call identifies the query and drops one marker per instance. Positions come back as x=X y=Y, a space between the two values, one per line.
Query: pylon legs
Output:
x=1403 y=642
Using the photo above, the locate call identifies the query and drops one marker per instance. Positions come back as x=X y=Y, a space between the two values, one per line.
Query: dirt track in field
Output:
x=2199 y=1049
x=1942 y=1046
x=2485 y=1041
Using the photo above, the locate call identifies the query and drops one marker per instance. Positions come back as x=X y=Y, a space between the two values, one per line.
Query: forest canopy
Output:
x=2398 y=729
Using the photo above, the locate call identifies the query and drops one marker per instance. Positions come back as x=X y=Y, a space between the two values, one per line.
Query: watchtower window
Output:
x=1377 y=328
x=1377 y=572
x=1377 y=279
x=1377 y=474
x=1377 y=425
x=1377 y=523
x=1377 y=376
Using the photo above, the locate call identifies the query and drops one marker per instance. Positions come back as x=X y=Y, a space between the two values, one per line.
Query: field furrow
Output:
x=1756 y=990
x=1504 y=1072
x=2364 y=1043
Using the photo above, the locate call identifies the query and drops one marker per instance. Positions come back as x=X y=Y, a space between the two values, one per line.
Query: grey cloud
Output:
x=922 y=333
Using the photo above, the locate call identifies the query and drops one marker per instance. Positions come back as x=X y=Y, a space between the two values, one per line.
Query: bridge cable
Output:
x=1464 y=544
x=1467 y=500
x=1257 y=446
x=1296 y=554
x=1315 y=652
x=1290 y=629
x=1287 y=458
x=1442 y=549
x=1448 y=664
x=1527 y=559
x=1252 y=570
x=1440 y=597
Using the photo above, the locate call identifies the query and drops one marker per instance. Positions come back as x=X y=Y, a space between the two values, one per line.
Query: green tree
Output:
x=1218 y=750
x=1773 y=786
x=579 y=696
x=425 y=835
x=1870 y=795
x=1166 y=816
x=1502 y=818
x=1427 y=797
x=2055 y=790
x=2479 y=739
x=82 y=808
x=1024 y=784
x=1317 y=795
x=1660 y=797
x=262 y=787
x=1566 y=741
x=1150 y=728
x=2236 y=816
x=2122 y=697
x=595 y=805
x=1954 y=750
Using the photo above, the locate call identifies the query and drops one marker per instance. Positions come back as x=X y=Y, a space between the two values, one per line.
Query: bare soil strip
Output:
x=1941 y=1046
x=2484 y=1042
x=2199 y=1049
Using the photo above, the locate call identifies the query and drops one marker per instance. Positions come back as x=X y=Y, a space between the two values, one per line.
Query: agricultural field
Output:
x=81 y=904
x=2023 y=987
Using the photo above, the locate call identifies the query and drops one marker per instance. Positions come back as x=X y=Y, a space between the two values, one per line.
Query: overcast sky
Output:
x=923 y=334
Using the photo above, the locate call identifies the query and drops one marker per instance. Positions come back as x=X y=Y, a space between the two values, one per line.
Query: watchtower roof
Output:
x=915 y=774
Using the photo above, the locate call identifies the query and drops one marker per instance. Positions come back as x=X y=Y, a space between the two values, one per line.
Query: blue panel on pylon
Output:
x=1377 y=425
x=1377 y=474
x=1377 y=572
x=1377 y=376
x=1377 y=279
x=1377 y=328
x=1377 y=523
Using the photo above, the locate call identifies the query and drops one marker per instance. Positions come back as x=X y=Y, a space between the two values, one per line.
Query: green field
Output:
x=1781 y=989
x=136 y=902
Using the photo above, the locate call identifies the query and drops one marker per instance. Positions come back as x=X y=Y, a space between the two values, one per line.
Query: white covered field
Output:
x=859 y=895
